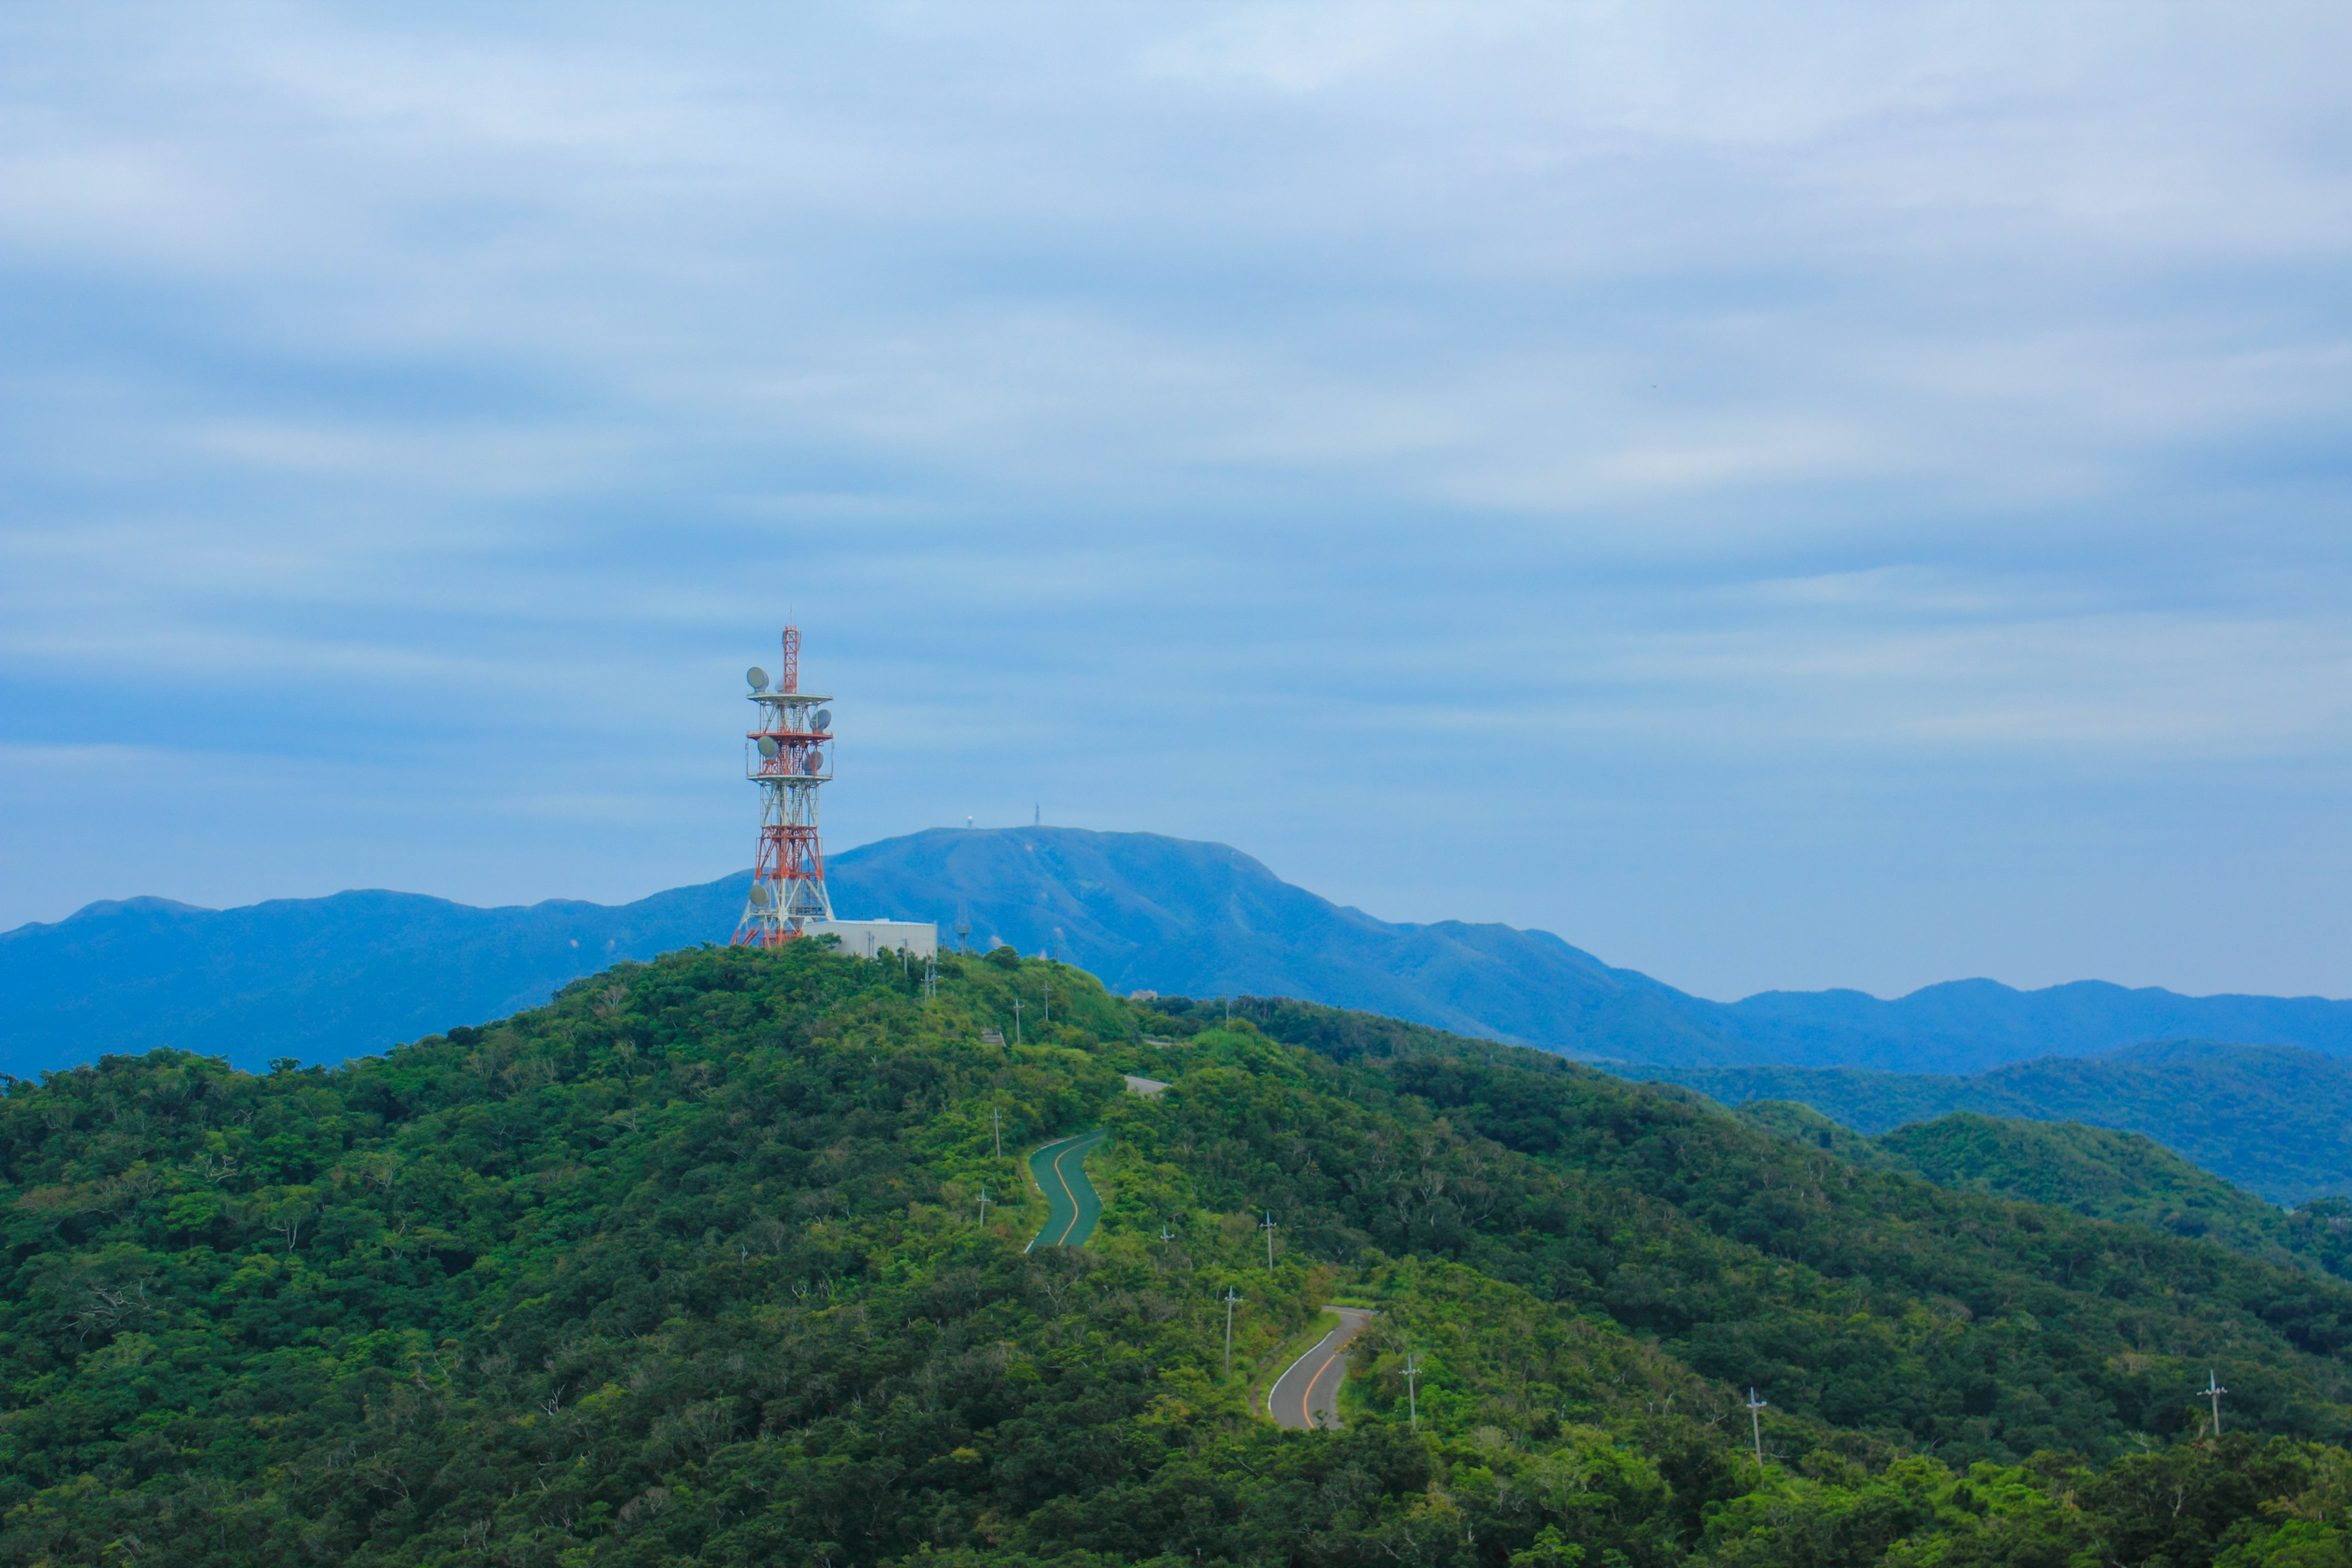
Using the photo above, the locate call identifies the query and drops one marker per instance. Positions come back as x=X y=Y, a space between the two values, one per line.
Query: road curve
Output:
x=1308 y=1393
x=1072 y=1204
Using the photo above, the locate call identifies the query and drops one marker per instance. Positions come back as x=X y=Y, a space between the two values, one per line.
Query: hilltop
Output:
x=325 y=978
x=688 y=1267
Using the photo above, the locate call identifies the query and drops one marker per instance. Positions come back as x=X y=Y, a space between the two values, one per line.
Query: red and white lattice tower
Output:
x=788 y=756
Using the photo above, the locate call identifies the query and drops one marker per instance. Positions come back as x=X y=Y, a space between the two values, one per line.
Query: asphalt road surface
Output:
x=1308 y=1393
x=1072 y=1204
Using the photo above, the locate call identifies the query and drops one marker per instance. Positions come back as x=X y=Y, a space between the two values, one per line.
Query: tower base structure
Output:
x=871 y=938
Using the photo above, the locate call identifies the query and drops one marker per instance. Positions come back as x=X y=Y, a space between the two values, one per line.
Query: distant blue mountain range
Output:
x=321 y=979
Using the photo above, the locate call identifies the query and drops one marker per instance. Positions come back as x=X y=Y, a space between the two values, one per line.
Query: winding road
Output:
x=1307 y=1395
x=1072 y=1204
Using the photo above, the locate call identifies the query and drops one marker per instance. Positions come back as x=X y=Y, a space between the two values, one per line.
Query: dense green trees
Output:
x=2094 y=1171
x=690 y=1266
x=2263 y=1117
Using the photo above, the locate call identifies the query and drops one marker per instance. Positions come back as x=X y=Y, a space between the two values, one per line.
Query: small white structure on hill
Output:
x=869 y=939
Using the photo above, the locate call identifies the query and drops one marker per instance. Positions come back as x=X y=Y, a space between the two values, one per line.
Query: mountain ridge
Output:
x=357 y=971
x=2263 y=1117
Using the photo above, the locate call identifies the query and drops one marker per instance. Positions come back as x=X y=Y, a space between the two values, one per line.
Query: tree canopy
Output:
x=690 y=1266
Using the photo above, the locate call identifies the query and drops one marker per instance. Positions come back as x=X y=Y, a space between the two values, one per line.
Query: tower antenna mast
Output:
x=788 y=754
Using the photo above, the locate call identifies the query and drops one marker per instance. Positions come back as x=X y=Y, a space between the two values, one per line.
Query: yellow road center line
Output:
x=1064 y=1176
x=1305 y=1414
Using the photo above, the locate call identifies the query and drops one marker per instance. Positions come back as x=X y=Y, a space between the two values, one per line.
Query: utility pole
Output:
x=1268 y=1228
x=2213 y=1391
x=1046 y=985
x=1412 y=1390
x=1016 y=1020
x=1166 y=1233
x=1756 y=1424
x=983 y=1205
x=997 y=1117
x=1230 y=1299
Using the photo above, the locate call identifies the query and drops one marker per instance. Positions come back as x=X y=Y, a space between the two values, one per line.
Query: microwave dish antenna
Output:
x=788 y=886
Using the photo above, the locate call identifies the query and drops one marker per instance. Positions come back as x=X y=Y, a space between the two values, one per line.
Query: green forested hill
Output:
x=2094 y=1171
x=2268 y=1118
x=689 y=1266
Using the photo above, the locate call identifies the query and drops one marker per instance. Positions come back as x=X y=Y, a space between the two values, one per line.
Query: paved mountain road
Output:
x=1306 y=1395
x=1072 y=1204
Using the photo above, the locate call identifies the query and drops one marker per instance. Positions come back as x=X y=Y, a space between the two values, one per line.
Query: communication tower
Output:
x=788 y=755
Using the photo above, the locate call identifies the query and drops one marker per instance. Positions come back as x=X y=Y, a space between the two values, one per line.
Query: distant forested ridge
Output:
x=2267 y=1118
x=2094 y=1171
x=690 y=1266
x=323 y=979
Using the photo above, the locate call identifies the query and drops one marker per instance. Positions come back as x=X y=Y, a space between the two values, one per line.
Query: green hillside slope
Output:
x=690 y=1268
x=2094 y=1171
x=2269 y=1118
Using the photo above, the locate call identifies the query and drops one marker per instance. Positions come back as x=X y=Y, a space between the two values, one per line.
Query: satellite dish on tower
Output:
x=767 y=745
x=756 y=676
x=823 y=720
x=815 y=765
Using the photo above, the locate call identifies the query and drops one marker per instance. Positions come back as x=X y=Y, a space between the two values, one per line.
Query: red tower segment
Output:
x=787 y=757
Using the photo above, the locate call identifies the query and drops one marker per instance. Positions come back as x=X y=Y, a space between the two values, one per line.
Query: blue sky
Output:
x=1792 y=496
